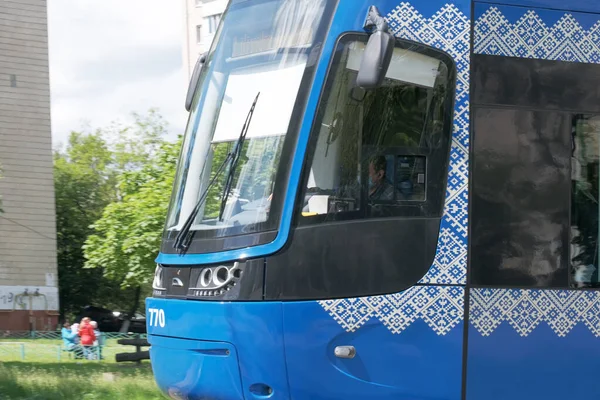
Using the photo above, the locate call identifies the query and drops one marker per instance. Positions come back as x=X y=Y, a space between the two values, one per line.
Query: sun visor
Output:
x=406 y=66
x=278 y=87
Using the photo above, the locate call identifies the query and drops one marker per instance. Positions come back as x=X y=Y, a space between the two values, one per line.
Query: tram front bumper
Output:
x=217 y=350
x=193 y=369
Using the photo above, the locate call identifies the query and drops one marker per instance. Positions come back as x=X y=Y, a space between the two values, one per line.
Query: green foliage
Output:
x=134 y=145
x=83 y=187
x=112 y=189
x=213 y=199
x=128 y=235
x=251 y=174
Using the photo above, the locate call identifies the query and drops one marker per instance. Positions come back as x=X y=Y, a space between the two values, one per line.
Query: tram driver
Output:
x=380 y=189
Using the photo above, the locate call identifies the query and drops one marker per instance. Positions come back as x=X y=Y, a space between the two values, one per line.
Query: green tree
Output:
x=213 y=198
x=127 y=237
x=94 y=174
x=83 y=187
x=133 y=145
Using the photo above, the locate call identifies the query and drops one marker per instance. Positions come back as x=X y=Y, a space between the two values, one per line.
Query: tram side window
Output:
x=584 y=201
x=535 y=180
x=380 y=152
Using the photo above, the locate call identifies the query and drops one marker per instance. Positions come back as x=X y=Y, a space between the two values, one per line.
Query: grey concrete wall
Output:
x=28 y=225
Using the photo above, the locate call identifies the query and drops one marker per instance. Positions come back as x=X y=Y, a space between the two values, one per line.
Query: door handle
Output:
x=345 y=352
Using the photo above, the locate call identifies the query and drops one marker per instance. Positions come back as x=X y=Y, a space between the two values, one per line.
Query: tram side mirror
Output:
x=378 y=52
x=194 y=82
x=376 y=60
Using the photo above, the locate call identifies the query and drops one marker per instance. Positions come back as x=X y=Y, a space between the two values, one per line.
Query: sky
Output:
x=111 y=57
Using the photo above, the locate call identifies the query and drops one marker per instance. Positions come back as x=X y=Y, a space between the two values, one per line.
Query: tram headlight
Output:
x=215 y=281
x=157 y=284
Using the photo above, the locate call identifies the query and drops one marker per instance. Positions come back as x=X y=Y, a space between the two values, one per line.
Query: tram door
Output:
x=361 y=315
x=534 y=322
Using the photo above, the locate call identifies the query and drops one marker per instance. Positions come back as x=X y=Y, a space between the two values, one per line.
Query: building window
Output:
x=213 y=23
x=198 y=33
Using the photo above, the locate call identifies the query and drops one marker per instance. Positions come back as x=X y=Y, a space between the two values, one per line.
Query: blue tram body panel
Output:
x=533 y=344
x=221 y=350
x=224 y=349
x=541 y=366
x=400 y=345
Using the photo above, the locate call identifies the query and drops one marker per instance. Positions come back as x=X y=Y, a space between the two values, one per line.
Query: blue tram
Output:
x=386 y=199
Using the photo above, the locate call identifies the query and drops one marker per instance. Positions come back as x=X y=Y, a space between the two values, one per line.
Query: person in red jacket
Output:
x=87 y=335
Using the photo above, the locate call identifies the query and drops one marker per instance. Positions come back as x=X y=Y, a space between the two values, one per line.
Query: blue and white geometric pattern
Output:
x=449 y=31
x=441 y=308
x=531 y=37
x=525 y=310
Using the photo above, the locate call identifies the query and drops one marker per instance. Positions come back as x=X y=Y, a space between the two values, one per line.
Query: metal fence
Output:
x=56 y=335
x=32 y=351
x=47 y=346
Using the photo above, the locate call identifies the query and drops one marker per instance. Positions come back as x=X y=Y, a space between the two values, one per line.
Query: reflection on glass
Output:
x=410 y=178
x=584 y=203
x=371 y=144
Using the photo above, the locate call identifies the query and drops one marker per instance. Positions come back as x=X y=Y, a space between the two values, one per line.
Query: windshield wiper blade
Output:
x=237 y=152
x=182 y=240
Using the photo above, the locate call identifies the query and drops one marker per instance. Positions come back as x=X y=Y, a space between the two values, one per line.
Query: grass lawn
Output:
x=49 y=350
x=73 y=381
x=41 y=376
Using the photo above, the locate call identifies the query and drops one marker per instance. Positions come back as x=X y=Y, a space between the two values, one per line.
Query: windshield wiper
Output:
x=237 y=152
x=183 y=238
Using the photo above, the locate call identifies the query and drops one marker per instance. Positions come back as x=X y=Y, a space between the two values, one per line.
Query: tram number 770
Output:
x=157 y=317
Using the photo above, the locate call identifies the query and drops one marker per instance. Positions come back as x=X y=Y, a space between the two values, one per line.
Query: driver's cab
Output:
x=400 y=122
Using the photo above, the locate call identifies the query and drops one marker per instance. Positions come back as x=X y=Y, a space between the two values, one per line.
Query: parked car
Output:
x=137 y=324
x=112 y=321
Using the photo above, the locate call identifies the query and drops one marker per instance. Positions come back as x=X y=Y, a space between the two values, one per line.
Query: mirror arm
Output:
x=378 y=52
x=194 y=81
x=375 y=22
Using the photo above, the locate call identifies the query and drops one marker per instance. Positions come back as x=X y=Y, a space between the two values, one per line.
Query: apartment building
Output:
x=202 y=18
x=28 y=267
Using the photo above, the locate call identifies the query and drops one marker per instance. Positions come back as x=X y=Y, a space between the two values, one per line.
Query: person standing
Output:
x=87 y=335
x=99 y=342
x=68 y=337
x=70 y=340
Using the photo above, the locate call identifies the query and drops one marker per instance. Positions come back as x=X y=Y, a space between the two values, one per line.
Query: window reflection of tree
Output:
x=365 y=123
x=348 y=117
x=255 y=175
x=395 y=116
x=584 y=212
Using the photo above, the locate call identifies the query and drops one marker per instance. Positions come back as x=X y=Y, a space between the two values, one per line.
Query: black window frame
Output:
x=412 y=208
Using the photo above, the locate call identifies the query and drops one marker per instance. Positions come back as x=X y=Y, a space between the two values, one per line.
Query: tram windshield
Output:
x=261 y=53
